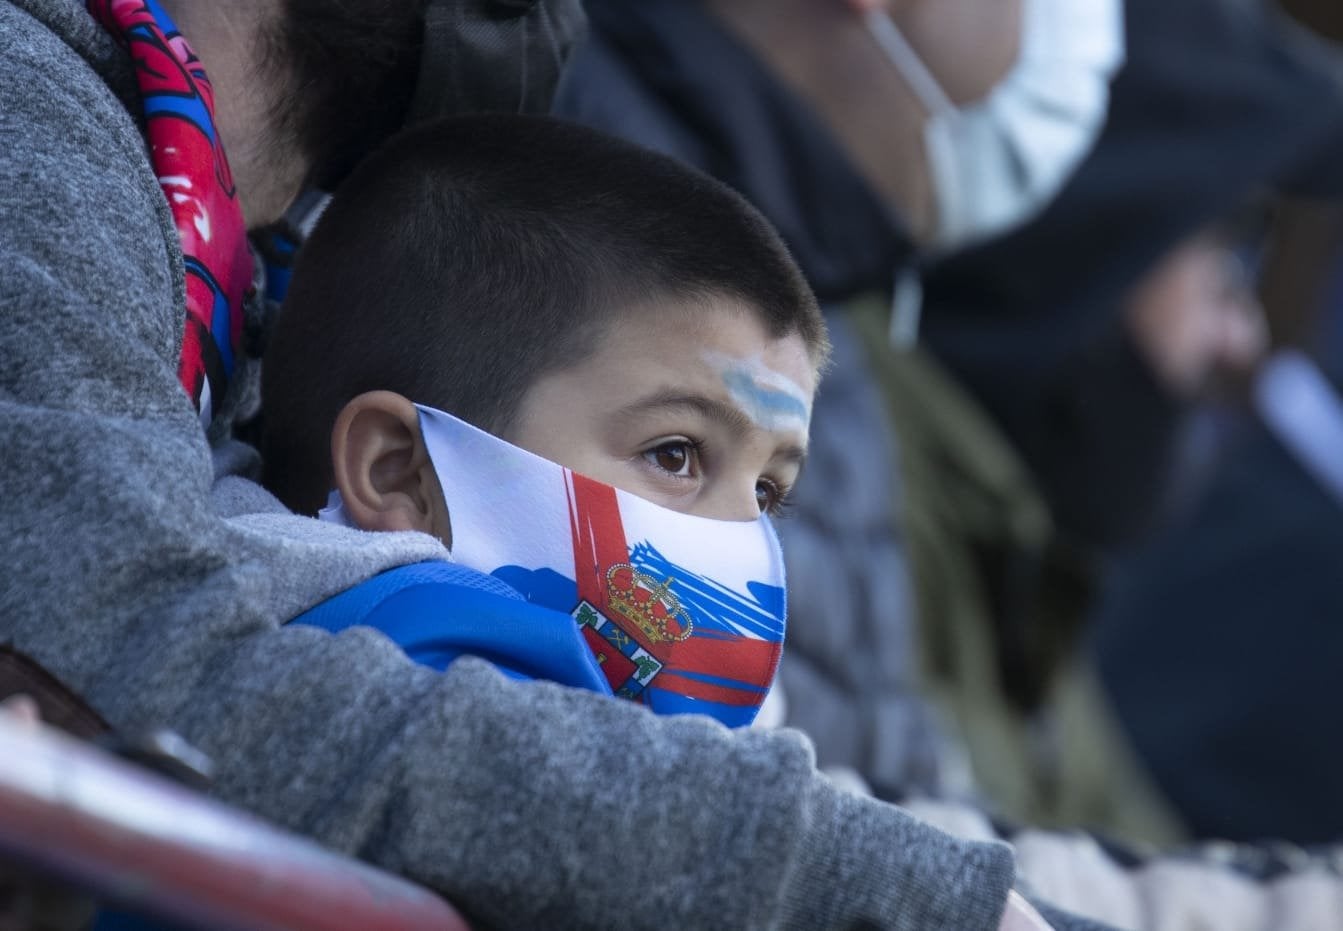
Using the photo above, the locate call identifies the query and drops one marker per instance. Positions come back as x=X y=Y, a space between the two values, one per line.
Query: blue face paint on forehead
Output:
x=763 y=403
x=771 y=399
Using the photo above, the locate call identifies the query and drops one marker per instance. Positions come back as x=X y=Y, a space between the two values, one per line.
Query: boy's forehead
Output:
x=718 y=349
x=769 y=396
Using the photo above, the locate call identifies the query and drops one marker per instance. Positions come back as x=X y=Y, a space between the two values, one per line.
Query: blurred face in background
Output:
x=1195 y=319
x=1121 y=443
x=824 y=51
x=964 y=116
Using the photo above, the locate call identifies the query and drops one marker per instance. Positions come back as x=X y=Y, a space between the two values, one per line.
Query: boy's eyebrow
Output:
x=793 y=455
x=731 y=416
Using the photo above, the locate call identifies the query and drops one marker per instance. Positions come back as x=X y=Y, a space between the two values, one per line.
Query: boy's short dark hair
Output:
x=473 y=255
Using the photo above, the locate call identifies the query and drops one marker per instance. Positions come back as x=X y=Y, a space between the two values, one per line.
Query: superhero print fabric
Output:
x=188 y=158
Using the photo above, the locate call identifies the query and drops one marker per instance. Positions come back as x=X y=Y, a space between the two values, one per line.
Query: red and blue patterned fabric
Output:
x=188 y=158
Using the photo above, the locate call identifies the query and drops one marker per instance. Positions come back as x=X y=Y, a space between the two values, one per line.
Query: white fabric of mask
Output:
x=685 y=613
x=997 y=162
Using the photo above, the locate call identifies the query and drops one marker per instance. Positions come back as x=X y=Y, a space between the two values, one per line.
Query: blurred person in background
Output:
x=1089 y=396
x=1007 y=550
x=1066 y=360
x=1234 y=715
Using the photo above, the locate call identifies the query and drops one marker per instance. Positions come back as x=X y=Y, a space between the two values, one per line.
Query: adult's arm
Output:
x=528 y=804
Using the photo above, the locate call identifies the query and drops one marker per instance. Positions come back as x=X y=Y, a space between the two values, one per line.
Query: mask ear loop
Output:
x=907 y=294
x=911 y=67
x=943 y=116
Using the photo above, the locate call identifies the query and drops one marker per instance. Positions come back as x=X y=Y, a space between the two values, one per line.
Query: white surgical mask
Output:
x=684 y=613
x=998 y=162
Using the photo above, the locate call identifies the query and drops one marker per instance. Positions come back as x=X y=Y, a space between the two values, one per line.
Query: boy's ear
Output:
x=382 y=469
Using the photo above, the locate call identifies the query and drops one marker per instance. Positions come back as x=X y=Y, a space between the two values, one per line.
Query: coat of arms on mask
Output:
x=640 y=600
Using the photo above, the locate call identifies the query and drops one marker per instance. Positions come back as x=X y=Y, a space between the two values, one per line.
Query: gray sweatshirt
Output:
x=158 y=590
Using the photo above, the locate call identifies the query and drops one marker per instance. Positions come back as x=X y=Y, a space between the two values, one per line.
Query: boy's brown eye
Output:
x=673 y=457
x=766 y=496
x=772 y=498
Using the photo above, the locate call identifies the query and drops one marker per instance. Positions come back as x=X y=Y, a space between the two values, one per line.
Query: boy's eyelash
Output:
x=696 y=448
x=783 y=500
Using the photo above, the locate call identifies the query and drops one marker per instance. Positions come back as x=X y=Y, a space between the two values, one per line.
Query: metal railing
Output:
x=72 y=811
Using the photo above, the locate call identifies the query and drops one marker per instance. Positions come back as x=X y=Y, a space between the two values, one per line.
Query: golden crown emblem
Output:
x=647 y=604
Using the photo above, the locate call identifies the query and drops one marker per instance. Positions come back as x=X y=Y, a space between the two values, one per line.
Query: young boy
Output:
x=585 y=368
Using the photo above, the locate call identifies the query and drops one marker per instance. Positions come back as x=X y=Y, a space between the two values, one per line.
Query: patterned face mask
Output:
x=685 y=614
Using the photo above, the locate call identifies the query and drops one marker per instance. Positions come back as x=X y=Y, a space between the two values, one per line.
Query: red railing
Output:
x=149 y=845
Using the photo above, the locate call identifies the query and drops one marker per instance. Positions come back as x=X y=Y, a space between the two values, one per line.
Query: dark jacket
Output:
x=1221 y=646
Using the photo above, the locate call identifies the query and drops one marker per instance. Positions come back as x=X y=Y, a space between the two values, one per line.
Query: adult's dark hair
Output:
x=347 y=72
x=354 y=72
x=472 y=255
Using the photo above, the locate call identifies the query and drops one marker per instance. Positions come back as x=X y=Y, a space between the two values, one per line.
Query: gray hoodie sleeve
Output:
x=528 y=804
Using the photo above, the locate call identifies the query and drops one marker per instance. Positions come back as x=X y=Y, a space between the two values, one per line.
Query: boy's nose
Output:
x=730 y=502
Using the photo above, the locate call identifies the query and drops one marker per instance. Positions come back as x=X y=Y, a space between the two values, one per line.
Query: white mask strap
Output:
x=907 y=61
